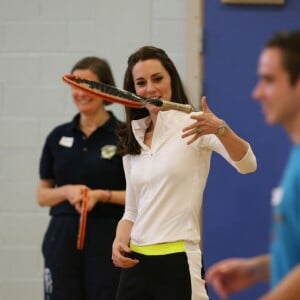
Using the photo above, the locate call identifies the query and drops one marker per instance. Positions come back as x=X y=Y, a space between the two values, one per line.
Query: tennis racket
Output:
x=82 y=221
x=115 y=95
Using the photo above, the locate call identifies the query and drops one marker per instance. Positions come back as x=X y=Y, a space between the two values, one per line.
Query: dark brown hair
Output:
x=128 y=143
x=289 y=44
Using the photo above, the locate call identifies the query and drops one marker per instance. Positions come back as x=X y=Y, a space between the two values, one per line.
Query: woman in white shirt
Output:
x=166 y=158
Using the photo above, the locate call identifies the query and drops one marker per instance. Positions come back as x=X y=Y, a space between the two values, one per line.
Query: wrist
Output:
x=64 y=191
x=109 y=196
x=223 y=127
x=259 y=268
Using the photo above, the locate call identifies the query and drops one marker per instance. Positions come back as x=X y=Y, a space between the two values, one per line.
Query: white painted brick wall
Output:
x=40 y=40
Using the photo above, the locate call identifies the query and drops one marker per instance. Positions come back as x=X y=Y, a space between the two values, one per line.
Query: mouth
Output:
x=154 y=97
x=84 y=101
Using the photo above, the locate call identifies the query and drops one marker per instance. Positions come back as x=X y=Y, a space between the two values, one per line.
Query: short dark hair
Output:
x=128 y=144
x=289 y=44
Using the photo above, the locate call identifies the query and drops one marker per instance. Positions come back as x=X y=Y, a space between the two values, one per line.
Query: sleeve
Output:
x=46 y=168
x=130 y=212
x=246 y=165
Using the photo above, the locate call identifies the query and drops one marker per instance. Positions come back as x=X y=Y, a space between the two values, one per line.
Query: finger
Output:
x=78 y=208
x=76 y=199
x=203 y=105
x=124 y=249
x=122 y=265
x=220 y=274
x=192 y=126
x=120 y=252
x=193 y=139
x=210 y=276
x=125 y=262
x=220 y=288
x=128 y=261
x=191 y=132
x=89 y=207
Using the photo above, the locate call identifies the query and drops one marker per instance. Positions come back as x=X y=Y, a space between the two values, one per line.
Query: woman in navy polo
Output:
x=77 y=155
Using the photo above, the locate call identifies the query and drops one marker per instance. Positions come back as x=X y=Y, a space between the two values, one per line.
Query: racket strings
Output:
x=129 y=99
x=108 y=89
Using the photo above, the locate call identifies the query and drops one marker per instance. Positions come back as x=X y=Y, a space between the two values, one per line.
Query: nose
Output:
x=257 y=92
x=78 y=92
x=150 y=89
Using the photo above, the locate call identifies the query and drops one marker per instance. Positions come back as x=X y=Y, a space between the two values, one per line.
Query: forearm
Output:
x=117 y=197
x=123 y=231
x=235 y=146
x=239 y=152
x=260 y=268
x=109 y=196
x=49 y=196
x=120 y=248
x=287 y=289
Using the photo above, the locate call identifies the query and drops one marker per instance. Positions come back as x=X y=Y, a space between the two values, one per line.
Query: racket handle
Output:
x=171 y=105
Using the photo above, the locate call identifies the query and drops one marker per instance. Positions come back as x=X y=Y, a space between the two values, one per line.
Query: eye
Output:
x=268 y=79
x=140 y=83
x=158 y=78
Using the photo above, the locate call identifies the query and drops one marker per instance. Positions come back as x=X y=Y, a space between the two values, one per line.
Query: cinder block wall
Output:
x=40 y=40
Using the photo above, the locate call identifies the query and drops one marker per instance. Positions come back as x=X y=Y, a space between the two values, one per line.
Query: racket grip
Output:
x=171 y=105
x=177 y=106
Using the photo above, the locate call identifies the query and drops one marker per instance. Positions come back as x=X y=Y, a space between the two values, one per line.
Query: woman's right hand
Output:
x=74 y=194
x=49 y=195
x=120 y=258
x=231 y=275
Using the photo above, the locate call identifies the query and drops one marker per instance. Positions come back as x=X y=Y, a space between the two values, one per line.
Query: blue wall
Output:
x=237 y=207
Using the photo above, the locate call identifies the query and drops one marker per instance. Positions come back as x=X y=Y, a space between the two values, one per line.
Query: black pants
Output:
x=163 y=277
x=80 y=275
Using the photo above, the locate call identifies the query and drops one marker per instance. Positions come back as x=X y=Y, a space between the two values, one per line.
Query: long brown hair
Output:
x=128 y=143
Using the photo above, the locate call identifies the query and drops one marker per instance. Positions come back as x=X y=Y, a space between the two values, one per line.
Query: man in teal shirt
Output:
x=278 y=92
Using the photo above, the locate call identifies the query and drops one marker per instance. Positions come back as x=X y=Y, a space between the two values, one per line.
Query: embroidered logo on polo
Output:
x=108 y=151
x=66 y=141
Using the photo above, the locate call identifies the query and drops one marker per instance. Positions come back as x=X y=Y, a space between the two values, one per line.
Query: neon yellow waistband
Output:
x=159 y=249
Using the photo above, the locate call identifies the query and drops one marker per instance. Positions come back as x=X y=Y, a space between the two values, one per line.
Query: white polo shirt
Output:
x=165 y=184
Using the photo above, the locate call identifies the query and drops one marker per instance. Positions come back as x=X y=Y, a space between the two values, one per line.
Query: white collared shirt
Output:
x=165 y=184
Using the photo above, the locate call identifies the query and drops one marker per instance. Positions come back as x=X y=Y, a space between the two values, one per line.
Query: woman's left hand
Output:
x=94 y=196
x=92 y=201
x=206 y=122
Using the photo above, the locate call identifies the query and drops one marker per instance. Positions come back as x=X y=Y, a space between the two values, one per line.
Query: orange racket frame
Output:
x=115 y=95
x=82 y=221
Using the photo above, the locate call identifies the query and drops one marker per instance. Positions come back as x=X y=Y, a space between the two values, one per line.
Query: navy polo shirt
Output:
x=69 y=157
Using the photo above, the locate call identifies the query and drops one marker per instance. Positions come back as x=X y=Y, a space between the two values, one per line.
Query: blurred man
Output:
x=278 y=92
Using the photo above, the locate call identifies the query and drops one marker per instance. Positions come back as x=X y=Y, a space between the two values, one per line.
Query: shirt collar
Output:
x=108 y=125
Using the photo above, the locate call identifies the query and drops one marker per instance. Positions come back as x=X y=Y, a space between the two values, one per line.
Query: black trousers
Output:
x=80 y=275
x=163 y=277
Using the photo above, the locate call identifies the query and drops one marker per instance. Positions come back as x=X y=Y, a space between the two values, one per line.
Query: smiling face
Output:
x=279 y=99
x=85 y=102
x=151 y=80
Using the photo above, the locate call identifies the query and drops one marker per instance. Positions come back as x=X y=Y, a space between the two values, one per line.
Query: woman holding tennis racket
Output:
x=79 y=162
x=166 y=161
